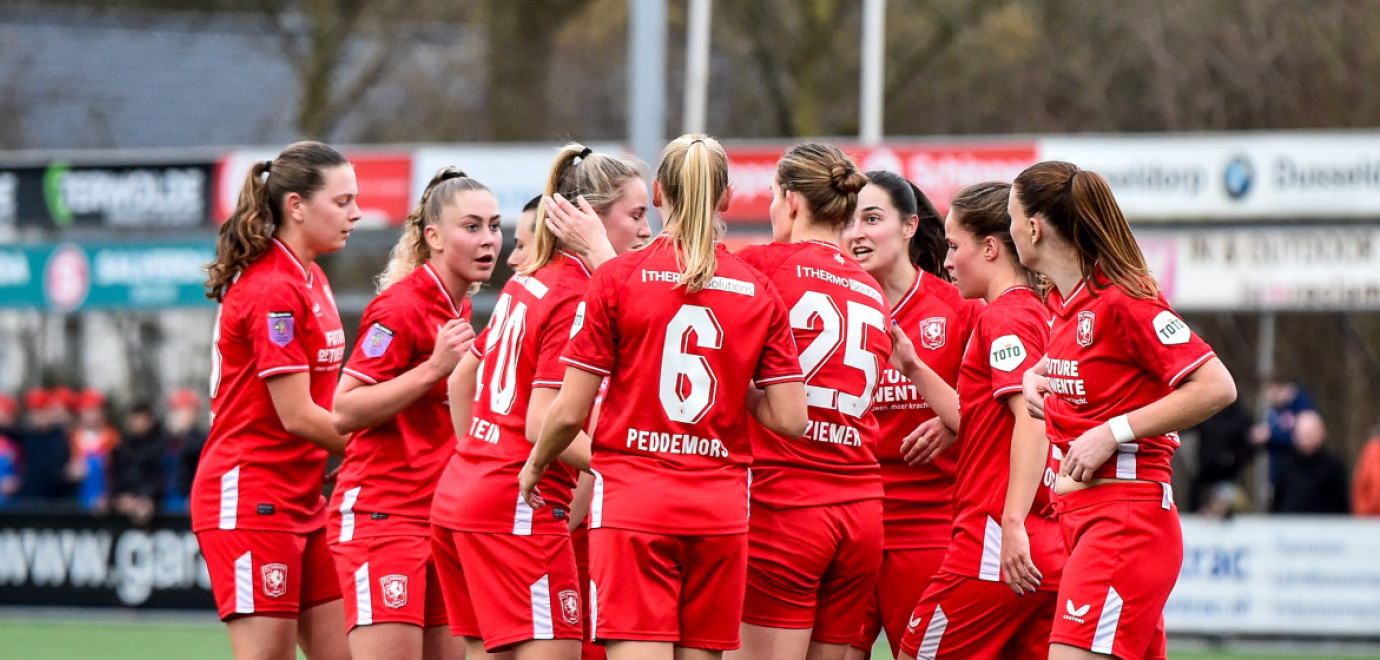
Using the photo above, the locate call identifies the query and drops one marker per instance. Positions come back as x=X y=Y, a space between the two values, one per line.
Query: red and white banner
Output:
x=385 y=183
x=940 y=170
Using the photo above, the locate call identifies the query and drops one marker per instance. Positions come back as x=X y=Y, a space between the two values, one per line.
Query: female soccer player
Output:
x=510 y=571
x=523 y=236
x=393 y=399
x=1121 y=373
x=680 y=328
x=1000 y=533
x=815 y=544
x=256 y=499
x=895 y=232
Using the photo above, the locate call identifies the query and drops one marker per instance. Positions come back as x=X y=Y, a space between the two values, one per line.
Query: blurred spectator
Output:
x=43 y=448
x=92 y=439
x=1313 y=479
x=1365 y=488
x=1284 y=400
x=185 y=439
x=136 y=466
x=1224 y=451
x=9 y=449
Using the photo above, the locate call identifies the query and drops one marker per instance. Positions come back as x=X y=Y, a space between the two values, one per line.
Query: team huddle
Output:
x=660 y=449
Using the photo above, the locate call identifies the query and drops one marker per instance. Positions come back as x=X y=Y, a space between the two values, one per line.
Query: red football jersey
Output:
x=276 y=318
x=522 y=349
x=1110 y=354
x=670 y=454
x=918 y=509
x=390 y=470
x=1008 y=339
x=841 y=326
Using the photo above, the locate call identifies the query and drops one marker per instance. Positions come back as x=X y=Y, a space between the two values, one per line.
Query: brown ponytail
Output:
x=578 y=171
x=248 y=233
x=412 y=250
x=827 y=179
x=693 y=176
x=1080 y=207
x=980 y=209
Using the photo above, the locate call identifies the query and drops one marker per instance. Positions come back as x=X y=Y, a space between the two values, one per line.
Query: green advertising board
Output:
x=69 y=277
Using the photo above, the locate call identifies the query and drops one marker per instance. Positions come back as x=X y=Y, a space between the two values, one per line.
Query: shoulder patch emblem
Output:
x=378 y=340
x=579 y=321
x=280 y=327
x=1170 y=329
x=1008 y=353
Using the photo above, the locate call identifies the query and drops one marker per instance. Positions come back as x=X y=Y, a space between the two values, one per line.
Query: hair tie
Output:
x=268 y=167
x=585 y=153
x=451 y=174
x=699 y=140
x=1072 y=177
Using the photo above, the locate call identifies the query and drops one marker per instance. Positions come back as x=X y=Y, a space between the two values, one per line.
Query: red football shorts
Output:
x=687 y=590
x=393 y=580
x=905 y=574
x=1125 y=549
x=964 y=617
x=268 y=573
x=814 y=567
x=579 y=539
x=511 y=588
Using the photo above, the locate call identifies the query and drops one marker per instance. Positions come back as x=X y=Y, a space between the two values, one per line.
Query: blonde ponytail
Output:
x=693 y=176
x=578 y=171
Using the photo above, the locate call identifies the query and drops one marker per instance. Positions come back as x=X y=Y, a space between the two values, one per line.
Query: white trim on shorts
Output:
x=364 y=601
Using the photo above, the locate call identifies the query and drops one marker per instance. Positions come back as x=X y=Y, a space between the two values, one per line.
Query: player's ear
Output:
x=726 y=200
x=991 y=248
x=432 y=236
x=656 y=194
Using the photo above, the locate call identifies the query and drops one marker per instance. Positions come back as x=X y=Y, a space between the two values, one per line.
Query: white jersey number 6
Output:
x=687 y=384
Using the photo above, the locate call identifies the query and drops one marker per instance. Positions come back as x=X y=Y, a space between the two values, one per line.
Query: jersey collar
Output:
x=292 y=256
x=440 y=285
x=583 y=266
x=919 y=275
x=1061 y=305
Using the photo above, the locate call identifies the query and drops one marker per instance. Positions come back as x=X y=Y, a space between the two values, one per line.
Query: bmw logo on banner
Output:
x=1238 y=177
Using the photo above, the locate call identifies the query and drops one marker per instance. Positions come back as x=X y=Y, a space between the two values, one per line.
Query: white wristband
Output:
x=1121 y=429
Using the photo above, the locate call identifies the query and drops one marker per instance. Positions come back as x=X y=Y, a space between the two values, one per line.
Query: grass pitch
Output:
x=143 y=640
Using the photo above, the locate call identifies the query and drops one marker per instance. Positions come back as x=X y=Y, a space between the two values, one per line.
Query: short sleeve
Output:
x=551 y=342
x=780 y=360
x=1014 y=344
x=276 y=321
x=1158 y=340
x=383 y=349
x=591 y=345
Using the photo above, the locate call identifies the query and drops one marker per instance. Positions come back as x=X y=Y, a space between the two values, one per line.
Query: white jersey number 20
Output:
x=509 y=324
